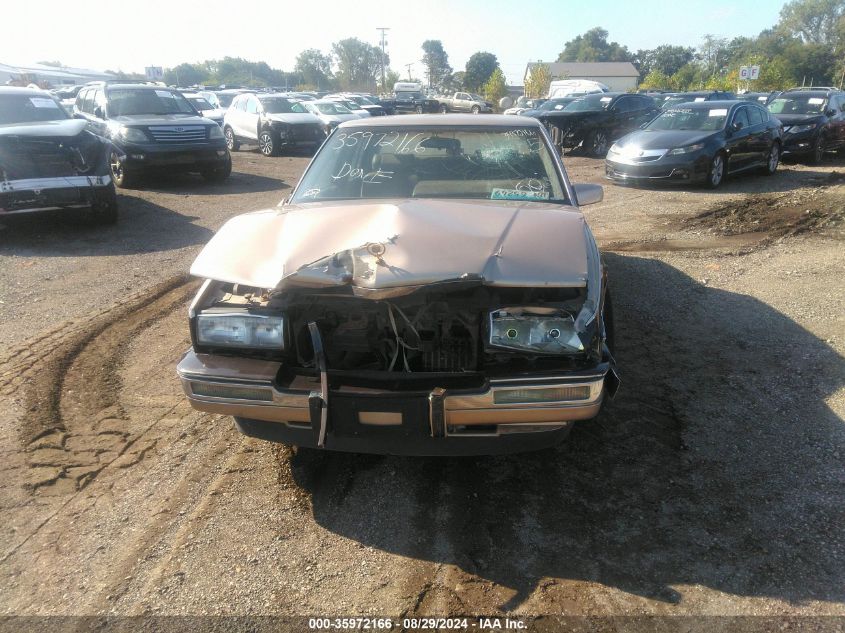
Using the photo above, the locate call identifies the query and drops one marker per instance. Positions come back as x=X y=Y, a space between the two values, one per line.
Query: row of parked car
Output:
x=695 y=137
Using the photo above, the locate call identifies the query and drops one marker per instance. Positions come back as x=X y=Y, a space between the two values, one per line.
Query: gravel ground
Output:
x=713 y=484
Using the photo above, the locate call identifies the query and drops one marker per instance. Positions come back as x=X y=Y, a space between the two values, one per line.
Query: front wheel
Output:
x=419 y=109
x=267 y=144
x=476 y=109
x=772 y=160
x=231 y=141
x=716 y=173
x=121 y=176
x=104 y=212
x=218 y=174
x=597 y=143
x=443 y=108
x=817 y=155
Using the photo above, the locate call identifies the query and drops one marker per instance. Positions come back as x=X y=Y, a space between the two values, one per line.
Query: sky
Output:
x=129 y=36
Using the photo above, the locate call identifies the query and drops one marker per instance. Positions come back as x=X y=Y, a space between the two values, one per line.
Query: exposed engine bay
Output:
x=25 y=157
x=446 y=330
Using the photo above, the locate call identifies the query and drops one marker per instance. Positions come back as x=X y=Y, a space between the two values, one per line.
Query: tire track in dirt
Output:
x=73 y=424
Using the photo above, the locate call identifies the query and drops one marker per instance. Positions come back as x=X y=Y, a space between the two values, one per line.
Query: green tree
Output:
x=713 y=55
x=665 y=59
x=436 y=62
x=314 y=69
x=656 y=80
x=186 y=75
x=539 y=79
x=390 y=78
x=496 y=87
x=358 y=63
x=593 y=46
x=478 y=70
x=814 y=21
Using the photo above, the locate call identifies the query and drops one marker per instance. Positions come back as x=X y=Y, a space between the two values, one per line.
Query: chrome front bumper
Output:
x=247 y=390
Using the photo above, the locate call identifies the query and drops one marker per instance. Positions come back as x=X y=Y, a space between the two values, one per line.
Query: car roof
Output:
x=138 y=87
x=16 y=90
x=807 y=93
x=444 y=120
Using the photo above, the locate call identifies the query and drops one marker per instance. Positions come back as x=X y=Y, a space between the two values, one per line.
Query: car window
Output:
x=133 y=101
x=88 y=101
x=280 y=105
x=755 y=116
x=697 y=118
x=252 y=105
x=643 y=103
x=493 y=163
x=741 y=116
x=99 y=100
x=798 y=104
x=23 y=108
x=624 y=104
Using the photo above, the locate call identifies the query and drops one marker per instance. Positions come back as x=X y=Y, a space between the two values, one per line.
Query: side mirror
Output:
x=586 y=193
x=830 y=112
x=737 y=126
x=98 y=112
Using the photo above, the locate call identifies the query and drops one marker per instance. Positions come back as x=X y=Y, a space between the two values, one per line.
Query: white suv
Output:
x=273 y=121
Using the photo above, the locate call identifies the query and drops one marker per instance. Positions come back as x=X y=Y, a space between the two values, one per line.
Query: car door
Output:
x=621 y=114
x=237 y=114
x=462 y=102
x=738 y=142
x=761 y=137
x=99 y=113
x=837 y=119
x=251 y=116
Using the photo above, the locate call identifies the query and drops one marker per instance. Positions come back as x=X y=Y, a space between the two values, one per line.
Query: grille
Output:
x=307 y=132
x=178 y=133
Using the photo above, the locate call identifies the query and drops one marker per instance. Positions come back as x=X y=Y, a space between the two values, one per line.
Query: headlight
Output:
x=615 y=149
x=241 y=330
x=687 y=149
x=215 y=132
x=538 y=330
x=797 y=129
x=132 y=135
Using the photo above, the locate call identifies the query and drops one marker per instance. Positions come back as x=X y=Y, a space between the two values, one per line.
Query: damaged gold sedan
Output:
x=429 y=288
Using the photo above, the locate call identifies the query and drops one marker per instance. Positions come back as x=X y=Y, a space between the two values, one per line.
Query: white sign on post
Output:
x=747 y=73
x=154 y=73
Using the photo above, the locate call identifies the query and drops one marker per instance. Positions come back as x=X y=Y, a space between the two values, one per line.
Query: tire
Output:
x=218 y=174
x=231 y=141
x=597 y=144
x=443 y=108
x=772 y=159
x=268 y=144
x=817 y=155
x=476 y=110
x=419 y=109
x=716 y=171
x=121 y=176
x=104 y=212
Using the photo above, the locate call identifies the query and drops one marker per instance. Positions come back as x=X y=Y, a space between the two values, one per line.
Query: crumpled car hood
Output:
x=401 y=244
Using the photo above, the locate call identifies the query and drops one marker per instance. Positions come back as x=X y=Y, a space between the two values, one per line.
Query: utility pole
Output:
x=409 y=70
x=383 y=29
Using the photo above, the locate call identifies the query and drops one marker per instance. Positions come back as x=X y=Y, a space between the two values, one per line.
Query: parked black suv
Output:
x=152 y=128
x=813 y=121
x=595 y=121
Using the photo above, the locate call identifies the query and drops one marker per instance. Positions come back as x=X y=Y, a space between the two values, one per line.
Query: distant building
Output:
x=618 y=76
x=53 y=76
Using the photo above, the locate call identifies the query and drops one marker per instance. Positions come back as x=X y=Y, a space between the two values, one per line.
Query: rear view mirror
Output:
x=588 y=194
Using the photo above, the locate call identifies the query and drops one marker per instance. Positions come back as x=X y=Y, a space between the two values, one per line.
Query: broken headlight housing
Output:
x=243 y=330
x=534 y=329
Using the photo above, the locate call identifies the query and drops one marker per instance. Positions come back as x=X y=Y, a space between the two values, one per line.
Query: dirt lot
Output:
x=714 y=484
